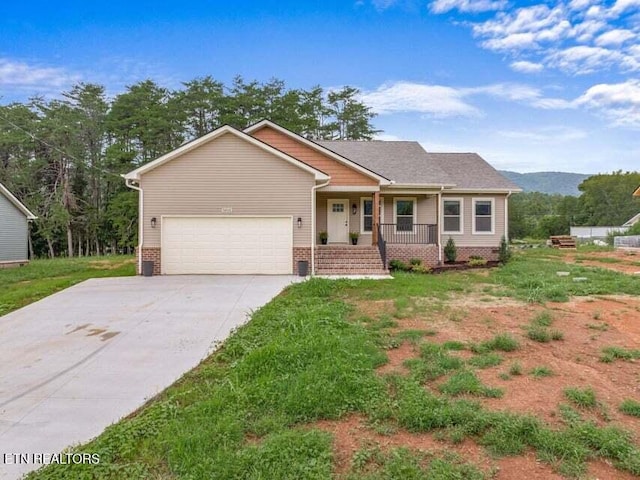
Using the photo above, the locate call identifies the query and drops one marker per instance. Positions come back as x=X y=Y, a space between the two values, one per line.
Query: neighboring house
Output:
x=255 y=201
x=14 y=229
x=601 y=233
x=637 y=192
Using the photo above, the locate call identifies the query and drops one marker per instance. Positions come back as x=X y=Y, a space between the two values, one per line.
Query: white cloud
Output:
x=615 y=37
x=444 y=101
x=435 y=100
x=550 y=134
x=622 y=6
x=473 y=6
x=16 y=74
x=619 y=102
x=584 y=59
x=525 y=66
x=575 y=36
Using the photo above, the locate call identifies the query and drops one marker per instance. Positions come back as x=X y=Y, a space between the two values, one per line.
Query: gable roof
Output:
x=218 y=132
x=632 y=221
x=469 y=171
x=407 y=163
x=17 y=203
x=637 y=192
x=317 y=146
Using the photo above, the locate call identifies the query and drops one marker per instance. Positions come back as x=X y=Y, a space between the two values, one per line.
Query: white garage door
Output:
x=227 y=245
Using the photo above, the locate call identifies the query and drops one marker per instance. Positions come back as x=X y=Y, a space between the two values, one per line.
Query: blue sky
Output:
x=530 y=85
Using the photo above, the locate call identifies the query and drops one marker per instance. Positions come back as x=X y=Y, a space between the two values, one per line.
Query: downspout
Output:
x=438 y=221
x=313 y=225
x=506 y=216
x=141 y=220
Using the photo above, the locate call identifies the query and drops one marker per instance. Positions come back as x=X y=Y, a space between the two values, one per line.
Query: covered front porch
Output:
x=374 y=223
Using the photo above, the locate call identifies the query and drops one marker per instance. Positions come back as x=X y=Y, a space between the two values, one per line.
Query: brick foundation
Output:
x=488 y=253
x=150 y=253
x=301 y=253
x=429 y=253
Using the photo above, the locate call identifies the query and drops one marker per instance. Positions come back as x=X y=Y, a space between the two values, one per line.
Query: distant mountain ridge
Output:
x=562 y=183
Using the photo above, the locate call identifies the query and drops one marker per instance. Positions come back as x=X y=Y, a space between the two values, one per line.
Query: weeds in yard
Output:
x=467 y=382
x=630 y=407
x=515 y=369
x=602 y=327
x=414 y=336
x=539 y=334
x=541 y=372
x=502 y=342
x=581 y=397
x=485 y=360
x=610 y=354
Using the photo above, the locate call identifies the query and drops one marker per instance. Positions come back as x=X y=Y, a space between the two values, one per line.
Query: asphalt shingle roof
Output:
x=408 y=163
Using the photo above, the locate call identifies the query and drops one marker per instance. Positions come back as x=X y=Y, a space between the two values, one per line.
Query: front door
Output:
x=338 y=221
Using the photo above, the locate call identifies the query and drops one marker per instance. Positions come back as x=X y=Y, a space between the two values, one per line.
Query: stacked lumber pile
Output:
x=563 y=241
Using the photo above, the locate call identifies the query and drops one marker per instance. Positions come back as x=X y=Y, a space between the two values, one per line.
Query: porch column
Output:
x=376 y=218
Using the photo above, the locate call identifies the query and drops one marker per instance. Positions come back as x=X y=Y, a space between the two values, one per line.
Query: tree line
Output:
x=605 y=200
x=63 y=157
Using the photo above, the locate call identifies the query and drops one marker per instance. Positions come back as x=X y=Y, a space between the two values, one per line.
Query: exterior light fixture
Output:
x=153 y=222
x=354 y=209
x=299 y=222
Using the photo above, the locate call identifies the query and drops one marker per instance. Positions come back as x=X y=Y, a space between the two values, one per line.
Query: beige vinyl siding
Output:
x=227 y=173
x=468 y=238
x=426 y=205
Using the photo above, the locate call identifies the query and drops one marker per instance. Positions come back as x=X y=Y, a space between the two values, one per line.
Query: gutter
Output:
x=506 y=216
x=440 y=217
x=313 y=225
x=128 y=183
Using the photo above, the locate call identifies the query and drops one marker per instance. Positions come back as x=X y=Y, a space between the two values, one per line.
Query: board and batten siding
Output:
x=13 y=232
x=227 y=174
x=340 y=174
x=468 y=238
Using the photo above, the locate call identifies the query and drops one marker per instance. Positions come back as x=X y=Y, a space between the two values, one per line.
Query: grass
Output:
x=40 y=278
x=581 y=397
x=539 y=334
x=502 y=342
x=541 y=372
x=610 y=354
x=630 y=407
x=248 y=410
x=486 y=360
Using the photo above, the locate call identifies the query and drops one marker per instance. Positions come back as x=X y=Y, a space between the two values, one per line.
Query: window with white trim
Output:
x=483 y=216
x=366 y=217
x=404 y=214
x=452 y=215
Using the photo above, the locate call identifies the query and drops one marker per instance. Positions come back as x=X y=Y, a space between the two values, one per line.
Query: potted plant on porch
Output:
x=354 y=237
x=323 y=237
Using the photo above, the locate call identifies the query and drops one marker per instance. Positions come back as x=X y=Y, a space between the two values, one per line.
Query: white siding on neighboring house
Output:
x=227 y=176
x=13 y=232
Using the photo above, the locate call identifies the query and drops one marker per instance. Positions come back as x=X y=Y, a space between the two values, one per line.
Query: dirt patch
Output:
x=623 y=261
x=352 y=434
x=396 y=358
x=588 y=324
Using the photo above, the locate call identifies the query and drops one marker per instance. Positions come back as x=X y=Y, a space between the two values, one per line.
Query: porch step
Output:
x=349 y=260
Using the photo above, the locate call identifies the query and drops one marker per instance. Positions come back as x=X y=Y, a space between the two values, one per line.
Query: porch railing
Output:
x=423 y=233
x=382 y=247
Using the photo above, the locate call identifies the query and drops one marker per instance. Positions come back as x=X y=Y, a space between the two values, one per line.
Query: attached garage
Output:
x=227 y=245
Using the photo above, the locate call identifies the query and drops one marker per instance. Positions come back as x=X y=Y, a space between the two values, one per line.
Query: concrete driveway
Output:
x=77 y=361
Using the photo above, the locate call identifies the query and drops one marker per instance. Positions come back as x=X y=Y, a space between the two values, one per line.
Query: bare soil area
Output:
x=587 y=324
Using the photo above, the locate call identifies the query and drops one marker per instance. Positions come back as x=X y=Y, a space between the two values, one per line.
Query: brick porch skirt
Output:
x=301 y=253
x=429 y=253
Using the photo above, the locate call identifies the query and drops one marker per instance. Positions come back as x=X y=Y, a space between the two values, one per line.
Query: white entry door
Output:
x=338 y=221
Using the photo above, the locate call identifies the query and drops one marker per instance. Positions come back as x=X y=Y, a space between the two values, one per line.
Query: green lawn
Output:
x=20 y=286
x=248 y=410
